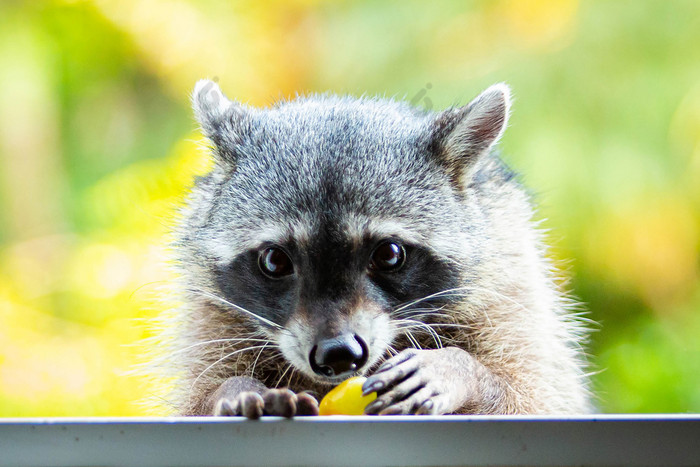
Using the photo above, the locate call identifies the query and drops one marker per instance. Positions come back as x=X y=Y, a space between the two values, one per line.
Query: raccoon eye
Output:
x=275 y=263
x=388 y=256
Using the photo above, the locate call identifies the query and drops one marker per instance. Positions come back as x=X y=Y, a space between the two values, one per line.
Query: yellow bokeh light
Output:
x=651 y=249
x=539 y=23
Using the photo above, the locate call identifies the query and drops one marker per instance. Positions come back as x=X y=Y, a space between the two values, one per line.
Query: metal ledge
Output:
x=669 y=440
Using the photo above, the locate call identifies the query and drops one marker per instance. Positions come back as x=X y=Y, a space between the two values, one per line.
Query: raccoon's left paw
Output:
x=420 y=382
x=275 y=402
x=285 y=403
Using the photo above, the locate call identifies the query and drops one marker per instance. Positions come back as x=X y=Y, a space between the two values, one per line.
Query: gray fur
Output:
x=323 y=170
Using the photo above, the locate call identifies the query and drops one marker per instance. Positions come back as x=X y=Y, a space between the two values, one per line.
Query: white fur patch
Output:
x=295 y=343
x=208 y=101
x=357 y=227
x=226 y=249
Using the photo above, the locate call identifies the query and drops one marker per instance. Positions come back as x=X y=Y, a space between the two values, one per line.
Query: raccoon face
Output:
x=340 y=223
x=337 y=298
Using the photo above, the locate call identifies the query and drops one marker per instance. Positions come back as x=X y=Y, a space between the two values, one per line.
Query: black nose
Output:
x=342 y=354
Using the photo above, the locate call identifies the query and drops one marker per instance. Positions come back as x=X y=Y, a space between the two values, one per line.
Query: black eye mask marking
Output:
x=275 y=281
x=420 y=274
x=261 y=281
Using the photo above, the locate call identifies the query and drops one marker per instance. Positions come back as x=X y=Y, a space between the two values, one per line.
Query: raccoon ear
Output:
x=461 y=136
x=220 y=118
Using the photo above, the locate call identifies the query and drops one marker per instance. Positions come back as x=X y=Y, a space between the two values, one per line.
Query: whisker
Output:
x=274 y=357
x=428 y=297
x=194 y=383
x=439 y=324
x=411 y=338
x=505 y=297
x=252 y=370
x=413 y=324
x=236 y=307
x=279 y=381
x=215 y=341
x=417 y=311
x=291 y=376
x=451 y=325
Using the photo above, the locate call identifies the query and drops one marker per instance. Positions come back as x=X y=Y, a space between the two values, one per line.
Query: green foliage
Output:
x=97 y=149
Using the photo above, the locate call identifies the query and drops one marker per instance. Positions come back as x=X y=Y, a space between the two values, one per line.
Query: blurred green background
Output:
x=97 y=145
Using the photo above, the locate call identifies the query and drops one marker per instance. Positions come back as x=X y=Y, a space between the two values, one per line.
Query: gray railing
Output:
x=397 y=440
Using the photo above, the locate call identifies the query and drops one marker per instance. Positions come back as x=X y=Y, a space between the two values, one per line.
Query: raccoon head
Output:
x=338 y=224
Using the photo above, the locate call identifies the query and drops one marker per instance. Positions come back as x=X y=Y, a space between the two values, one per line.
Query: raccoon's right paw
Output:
x=274 y=402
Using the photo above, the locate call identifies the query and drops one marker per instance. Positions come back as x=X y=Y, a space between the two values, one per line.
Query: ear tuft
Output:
x=210 y=105
x=461 y=136
x=482 y=124
x=224 y=122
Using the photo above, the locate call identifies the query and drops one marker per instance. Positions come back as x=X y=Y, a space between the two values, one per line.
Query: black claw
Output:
x=375 y=406
x=425 y=407
x=375 y=386
x=392 y=410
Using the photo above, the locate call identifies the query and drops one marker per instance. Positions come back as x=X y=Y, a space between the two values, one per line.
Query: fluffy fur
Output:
x=328 y=178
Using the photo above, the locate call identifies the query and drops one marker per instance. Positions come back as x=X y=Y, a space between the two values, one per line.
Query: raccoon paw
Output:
x=285 y=403
x=420 y=382
x=274 y=402
x=307 y=405
x=247 y=404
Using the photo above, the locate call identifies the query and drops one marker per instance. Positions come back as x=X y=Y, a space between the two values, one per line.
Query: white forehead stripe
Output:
x=226 y=247
x=358 y=227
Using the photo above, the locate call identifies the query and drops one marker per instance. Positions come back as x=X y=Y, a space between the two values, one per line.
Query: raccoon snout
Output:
x=343 y=354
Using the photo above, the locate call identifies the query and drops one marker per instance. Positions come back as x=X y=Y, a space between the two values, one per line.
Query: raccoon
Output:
x=339 y=236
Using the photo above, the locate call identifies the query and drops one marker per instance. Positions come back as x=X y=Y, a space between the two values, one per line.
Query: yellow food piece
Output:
x=346 y=398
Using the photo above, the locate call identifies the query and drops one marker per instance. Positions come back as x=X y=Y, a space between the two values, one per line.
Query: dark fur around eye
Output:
x=244 y=284
x=421 y=274
x=266 y=280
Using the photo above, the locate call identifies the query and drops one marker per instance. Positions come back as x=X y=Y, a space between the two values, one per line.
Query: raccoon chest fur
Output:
x=338 y=236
